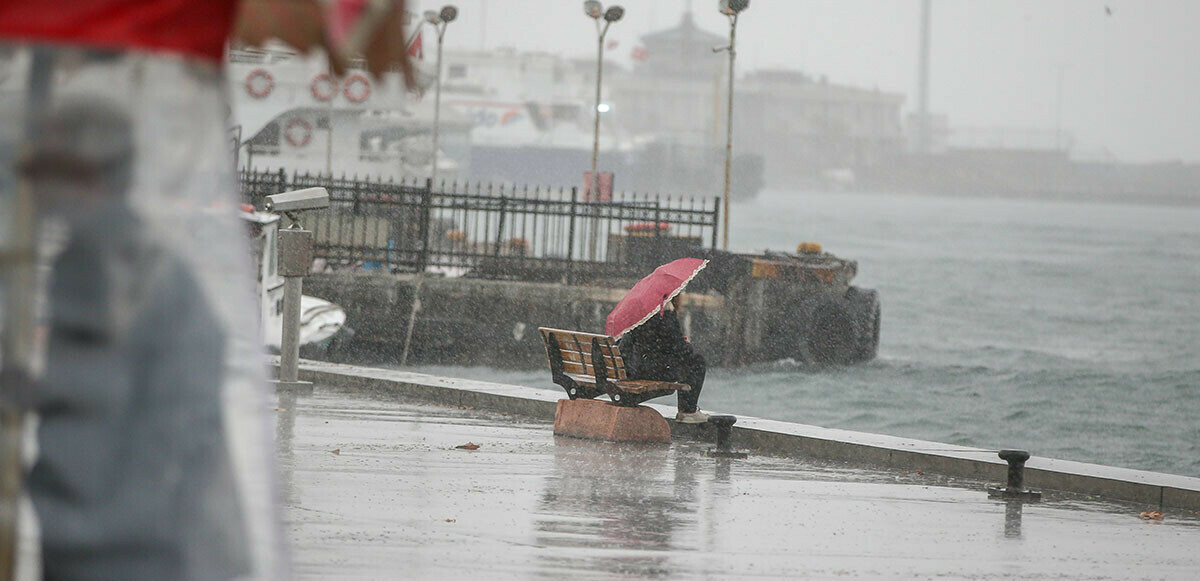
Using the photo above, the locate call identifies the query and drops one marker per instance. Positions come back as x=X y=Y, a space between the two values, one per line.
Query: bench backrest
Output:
x=576 y=349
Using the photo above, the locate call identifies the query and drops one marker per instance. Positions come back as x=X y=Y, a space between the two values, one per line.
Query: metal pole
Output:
x=729 y=126
x=415 y=304
x=437 y=101
x=289 y=346
x=594 y=233
x=923 y=137
x=1062 y=71
x=329 y=124
x=17 y=342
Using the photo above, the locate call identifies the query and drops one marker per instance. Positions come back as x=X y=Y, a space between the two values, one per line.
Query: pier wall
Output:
x=475 y=322
x=1150 y=489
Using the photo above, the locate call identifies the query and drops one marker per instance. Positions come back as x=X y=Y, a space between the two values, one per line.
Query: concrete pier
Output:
x=377 y=486
x=1156 y=491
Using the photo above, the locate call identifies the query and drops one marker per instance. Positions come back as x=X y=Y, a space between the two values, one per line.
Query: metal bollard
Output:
x=724 y=425
x=1016 y=467
x=1015 y=487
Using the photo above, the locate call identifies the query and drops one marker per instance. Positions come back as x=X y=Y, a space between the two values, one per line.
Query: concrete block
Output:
x=601 y=420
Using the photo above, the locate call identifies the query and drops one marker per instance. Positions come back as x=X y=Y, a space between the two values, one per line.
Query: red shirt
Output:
x=193 y=28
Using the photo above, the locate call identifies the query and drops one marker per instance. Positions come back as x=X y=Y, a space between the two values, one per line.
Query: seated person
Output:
x=657 y=350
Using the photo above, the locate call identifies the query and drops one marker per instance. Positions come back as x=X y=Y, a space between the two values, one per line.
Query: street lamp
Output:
x=439 y=20
x=594 y=10
x=731 y=9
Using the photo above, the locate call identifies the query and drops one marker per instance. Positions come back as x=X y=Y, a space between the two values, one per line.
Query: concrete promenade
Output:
x=376 y=489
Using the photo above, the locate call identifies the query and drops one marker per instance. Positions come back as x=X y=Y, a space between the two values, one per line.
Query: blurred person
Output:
x=133 y=478
x=658 y=350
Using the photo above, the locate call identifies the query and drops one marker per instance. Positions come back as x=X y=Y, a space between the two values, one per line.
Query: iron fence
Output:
x=492 y=230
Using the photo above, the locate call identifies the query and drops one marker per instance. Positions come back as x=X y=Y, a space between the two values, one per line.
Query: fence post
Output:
x=716 y=219
x=426 y=208
x=500 y=225
x=571 y=235
x=657 y=215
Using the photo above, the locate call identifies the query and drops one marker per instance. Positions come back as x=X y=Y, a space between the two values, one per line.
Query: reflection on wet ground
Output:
x=376 y=488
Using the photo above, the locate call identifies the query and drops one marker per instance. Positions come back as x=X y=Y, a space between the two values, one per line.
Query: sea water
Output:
x=1070 y=329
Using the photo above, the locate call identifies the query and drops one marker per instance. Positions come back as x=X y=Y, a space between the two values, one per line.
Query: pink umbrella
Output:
x=648 y=296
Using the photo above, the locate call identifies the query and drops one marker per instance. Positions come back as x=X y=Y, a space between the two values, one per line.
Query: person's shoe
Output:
x=696 y=417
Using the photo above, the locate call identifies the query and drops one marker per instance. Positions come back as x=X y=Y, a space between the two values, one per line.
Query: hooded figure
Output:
x=658 y=350
x=133 y=477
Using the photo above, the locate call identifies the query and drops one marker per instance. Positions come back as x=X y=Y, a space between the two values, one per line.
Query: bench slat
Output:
x=575 y=367
x=574 y=362
x=580 y=342
x=644 y=385
x=634 y=385
x=582 y=379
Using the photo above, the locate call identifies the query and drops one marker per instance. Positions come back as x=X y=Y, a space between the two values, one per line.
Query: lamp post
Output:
x=595 y=10
x=731 y=9
x=439 y=20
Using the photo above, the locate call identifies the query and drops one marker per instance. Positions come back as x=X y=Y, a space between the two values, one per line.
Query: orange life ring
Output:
x=294 y=125
x=259 y=89
x=323 y=88
x=360 y=95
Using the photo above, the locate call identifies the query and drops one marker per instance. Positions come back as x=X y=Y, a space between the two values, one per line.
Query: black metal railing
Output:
x=492 y=230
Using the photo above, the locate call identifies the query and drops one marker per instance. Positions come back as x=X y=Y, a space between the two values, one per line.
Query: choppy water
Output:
x=1069 y=329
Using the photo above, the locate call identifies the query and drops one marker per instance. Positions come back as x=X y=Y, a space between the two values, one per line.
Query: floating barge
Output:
x=478 y=268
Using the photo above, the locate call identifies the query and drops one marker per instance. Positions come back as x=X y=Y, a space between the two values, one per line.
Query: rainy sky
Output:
x=1128 y=79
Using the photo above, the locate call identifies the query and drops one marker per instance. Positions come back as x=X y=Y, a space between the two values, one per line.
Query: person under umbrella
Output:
x=650 y=336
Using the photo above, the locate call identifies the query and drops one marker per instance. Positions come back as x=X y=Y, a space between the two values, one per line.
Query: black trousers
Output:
x=686 y=368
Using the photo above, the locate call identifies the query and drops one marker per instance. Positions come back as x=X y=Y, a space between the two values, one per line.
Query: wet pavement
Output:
x=375 y=488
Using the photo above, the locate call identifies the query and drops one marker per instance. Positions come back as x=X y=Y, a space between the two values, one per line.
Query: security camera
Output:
x=298 y=201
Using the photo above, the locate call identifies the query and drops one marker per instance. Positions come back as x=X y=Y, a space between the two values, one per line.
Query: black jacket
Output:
x=657 y=344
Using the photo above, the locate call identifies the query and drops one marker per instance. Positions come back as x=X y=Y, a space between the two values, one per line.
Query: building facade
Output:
x=801 y=127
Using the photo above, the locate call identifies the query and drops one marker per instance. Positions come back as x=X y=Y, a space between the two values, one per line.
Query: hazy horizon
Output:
x=1127 y=77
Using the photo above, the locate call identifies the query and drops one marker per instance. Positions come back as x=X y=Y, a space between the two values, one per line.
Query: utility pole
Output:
x=731 y=9
x=439 y=20
x=594 y=10
x=923 y=137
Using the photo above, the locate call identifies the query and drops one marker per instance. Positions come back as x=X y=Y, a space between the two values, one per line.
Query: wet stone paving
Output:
x=381 y=488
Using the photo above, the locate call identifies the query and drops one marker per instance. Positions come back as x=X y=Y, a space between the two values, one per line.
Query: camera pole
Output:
x=295 y=262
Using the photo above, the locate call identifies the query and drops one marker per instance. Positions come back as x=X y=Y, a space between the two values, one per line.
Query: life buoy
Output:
x=298 y=132
x=259 y=83
x=323 y=88
x=356 y=95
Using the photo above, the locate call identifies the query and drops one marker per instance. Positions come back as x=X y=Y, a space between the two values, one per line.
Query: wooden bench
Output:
x=587 y=365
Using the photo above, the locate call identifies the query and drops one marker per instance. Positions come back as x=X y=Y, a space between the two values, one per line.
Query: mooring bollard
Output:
x=1015 y=487
x=724 y=425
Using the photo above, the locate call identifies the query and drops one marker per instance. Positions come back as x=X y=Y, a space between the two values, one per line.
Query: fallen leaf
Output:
x=468 y=446
x=1152 y=515
x=337 y=452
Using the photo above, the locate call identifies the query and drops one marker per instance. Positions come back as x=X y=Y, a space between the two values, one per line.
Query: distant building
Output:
x=806 y=127
x=801 y=127
x=676 y=87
